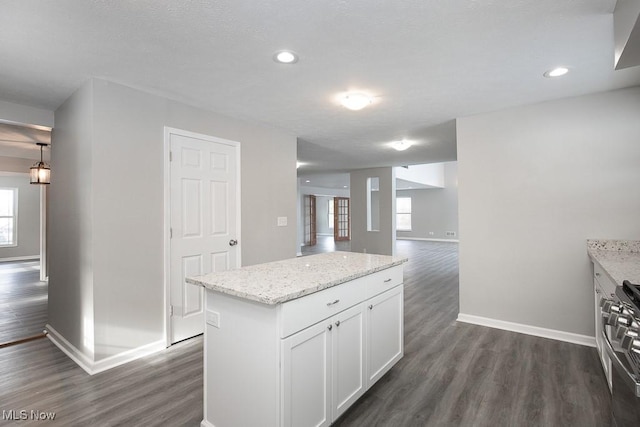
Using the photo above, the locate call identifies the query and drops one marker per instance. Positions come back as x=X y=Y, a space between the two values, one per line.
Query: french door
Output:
x=341 y=219
x=310 y=237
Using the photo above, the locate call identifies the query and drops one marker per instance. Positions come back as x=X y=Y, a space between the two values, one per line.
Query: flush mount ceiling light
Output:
x=556 y=72
x=285 y=57
x=356 y=101
x=401 y=145
x=40 y=173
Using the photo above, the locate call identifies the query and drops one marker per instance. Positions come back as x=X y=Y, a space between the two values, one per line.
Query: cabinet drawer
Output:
x=606 y=284
x=303 y=312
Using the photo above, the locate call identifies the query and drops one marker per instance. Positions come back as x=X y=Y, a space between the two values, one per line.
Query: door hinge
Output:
x=170 y=232
x=170 y=310
x=171 y=156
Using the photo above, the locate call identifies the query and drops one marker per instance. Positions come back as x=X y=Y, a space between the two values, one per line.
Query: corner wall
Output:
x=118 y=192
x=70 y=223
x=535 y=182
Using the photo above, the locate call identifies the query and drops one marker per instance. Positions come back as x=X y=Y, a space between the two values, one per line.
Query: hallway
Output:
x=23 y=300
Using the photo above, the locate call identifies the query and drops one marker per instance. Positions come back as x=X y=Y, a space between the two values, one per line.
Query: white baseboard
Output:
x=21 y=258
x=529 y=330
x=92 y=367
x=69 y=349
x=206 y=423
x=424 y=239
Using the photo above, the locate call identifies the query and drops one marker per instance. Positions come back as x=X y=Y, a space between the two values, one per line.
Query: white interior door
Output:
x=204 y=212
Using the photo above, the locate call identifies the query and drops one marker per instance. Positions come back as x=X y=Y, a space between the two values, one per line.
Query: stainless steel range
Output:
x=621 y=336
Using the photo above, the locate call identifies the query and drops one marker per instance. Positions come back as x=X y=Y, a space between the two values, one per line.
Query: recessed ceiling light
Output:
x=307 y=180
x=285 y=57
x=356 y=101
x=401 y=145
x=345 y=186
x=556 y=72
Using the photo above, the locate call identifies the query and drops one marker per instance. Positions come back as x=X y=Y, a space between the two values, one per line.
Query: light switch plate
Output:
x=282 y=221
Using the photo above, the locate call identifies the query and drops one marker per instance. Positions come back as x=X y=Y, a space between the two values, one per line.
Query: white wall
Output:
x=378 y=242
x=70 y=222
x=15 y=164
x=28 y=218
x=124 y=191
x=535 y=183
x=434 y=210
x=431 y=174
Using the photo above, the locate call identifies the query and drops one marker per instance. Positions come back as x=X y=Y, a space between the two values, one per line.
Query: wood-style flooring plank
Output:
x=23 y=300
x=457 y=374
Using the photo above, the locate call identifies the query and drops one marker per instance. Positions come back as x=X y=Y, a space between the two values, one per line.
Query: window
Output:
x=8 y=216
x=330 y=214
x=403 y=213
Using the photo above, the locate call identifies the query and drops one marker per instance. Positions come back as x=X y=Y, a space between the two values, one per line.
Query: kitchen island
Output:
x=296 y=342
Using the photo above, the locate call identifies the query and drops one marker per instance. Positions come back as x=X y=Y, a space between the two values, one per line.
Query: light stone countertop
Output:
x=281 y=281
x=620 y=259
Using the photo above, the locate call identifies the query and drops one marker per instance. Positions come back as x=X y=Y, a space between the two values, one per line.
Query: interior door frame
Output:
x=168 y=131
x=44 y=263
x=311 y=215
x=336 y=219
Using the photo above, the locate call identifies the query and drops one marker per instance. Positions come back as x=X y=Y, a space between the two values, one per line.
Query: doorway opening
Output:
x=327 y=224
x=202 y=222
x=23 y=246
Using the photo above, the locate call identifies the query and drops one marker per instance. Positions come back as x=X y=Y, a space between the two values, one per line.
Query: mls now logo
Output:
x=23 y=414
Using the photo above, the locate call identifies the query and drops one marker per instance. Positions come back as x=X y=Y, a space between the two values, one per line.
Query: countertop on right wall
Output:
x=620 y=259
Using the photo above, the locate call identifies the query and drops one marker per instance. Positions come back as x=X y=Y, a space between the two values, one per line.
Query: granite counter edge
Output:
x=292 y=295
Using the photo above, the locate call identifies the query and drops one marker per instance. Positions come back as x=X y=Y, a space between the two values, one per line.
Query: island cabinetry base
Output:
x=274 y=365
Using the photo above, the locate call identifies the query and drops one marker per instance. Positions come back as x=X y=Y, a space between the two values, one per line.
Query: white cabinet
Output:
x=603 y=287
x=323 y=369
x=306 y=376
x=348 y=380
x=385 y=340
x=303 y=362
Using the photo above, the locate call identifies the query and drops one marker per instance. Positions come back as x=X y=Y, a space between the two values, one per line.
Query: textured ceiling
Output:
x=425 y=61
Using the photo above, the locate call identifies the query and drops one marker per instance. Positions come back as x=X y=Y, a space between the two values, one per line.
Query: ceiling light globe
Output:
x=401 y=145
x=356 y=101
x=557 y=72
x=285 y=57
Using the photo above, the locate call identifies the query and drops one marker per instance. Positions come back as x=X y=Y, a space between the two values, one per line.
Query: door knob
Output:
x=233 y=242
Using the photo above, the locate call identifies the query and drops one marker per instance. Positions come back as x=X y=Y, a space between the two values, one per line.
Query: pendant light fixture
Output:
x=40 y=173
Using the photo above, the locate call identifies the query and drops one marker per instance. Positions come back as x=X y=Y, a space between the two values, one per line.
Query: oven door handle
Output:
x=627 y=376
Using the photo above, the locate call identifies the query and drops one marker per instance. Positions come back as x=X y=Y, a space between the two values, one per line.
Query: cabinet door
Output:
x=306 y=369
x=348 y=361
x=385 y=341
x=604 y=357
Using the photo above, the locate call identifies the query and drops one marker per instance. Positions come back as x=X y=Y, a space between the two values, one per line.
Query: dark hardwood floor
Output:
x=23 y=300
x=457 y=374
x=453 y=374
x=326 y=244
